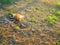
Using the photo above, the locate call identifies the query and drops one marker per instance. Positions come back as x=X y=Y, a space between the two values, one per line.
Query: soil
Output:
x=35 y=33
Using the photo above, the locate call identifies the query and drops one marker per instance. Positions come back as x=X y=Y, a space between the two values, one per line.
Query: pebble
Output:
x=32 y=29
x=13 y=41
x=42 y=35
x=23 y=25
x=2 y=19
x=30 y=33
x=51 y=34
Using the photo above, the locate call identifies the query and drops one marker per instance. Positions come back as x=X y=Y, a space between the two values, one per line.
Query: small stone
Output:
x=2 y=19
x=42 y=35
x=32 y=29
x=30 y=33
x=23 y=25
x=13 y=41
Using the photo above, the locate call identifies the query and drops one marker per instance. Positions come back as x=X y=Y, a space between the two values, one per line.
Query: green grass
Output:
x=38 y=8
x=58 y=14
x=27 y=10
x=59 y=39
x=39 y=15
x=15 y=3
x=28 y=1
x=51 y=19
x=10 y=12
x=5 y=2
x=58 y=4
x=33 y=19
x=58 y=32
x=52 y=10
x=58 y=43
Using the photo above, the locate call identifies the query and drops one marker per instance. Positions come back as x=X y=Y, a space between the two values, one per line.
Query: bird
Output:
x=18 y=17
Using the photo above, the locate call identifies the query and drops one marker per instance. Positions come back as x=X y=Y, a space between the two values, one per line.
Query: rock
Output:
x=13 y=42
x=30 y=33
x=2 y=19
x=23 y=25
x=32 y=29
x=42 y=35
x=50 y=33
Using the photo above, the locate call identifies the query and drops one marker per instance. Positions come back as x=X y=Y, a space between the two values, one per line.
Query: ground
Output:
x=36 y=33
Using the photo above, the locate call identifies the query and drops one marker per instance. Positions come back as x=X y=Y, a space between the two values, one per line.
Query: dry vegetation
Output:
x=34 y=29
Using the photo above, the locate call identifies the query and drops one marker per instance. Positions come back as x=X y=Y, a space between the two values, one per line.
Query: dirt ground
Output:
x=36 y=33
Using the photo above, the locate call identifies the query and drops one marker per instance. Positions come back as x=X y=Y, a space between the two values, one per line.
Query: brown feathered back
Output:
x=18 y=17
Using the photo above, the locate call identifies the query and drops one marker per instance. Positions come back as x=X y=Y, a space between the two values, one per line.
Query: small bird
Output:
x=18 y=17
